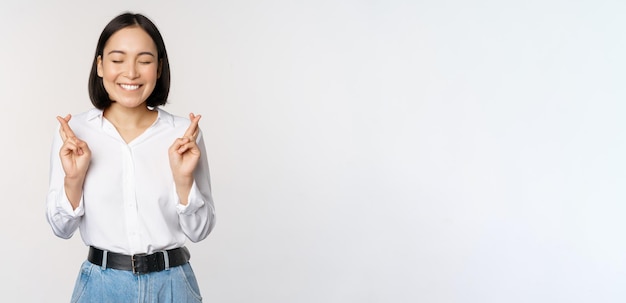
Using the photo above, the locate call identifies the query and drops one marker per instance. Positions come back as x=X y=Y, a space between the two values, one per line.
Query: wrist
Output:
x=74 y=181
x=184 y=181
x=183 y=186
x=183 y=178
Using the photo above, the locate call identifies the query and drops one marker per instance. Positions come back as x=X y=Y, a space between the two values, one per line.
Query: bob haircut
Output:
x=98 y=94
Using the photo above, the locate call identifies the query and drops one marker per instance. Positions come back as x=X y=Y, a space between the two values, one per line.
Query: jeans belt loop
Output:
x=166 y=260
x=104 y=259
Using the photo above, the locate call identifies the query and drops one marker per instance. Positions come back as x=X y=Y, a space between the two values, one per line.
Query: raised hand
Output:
x=75 y=154
x=184 y=153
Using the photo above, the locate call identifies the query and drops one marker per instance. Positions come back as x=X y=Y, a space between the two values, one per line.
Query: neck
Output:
x=125 y=117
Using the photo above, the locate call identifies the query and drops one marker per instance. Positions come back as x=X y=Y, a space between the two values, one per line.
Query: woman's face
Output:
x=129 y=67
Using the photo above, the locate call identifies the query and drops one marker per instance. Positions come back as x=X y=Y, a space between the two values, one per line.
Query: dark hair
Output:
x=98 y=94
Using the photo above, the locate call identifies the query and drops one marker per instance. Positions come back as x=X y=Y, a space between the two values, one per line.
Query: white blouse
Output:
x=129 y=203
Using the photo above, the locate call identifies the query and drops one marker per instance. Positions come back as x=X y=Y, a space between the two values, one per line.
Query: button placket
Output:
x=130 y=199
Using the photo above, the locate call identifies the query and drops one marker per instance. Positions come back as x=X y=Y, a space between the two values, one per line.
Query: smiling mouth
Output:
x=129 y=86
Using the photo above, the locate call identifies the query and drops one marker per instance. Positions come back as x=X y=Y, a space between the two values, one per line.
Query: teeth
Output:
x=129 y=87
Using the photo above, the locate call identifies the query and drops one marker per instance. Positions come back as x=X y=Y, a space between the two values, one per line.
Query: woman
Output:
x=133 y=178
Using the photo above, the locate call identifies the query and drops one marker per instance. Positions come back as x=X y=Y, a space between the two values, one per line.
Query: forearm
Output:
x=74 y=190
x=183 y=187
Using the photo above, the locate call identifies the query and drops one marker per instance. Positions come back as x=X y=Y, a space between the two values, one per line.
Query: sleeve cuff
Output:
x=194 y=202
x=66 y=206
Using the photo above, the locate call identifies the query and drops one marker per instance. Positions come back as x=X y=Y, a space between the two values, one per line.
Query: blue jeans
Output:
x=97 y=285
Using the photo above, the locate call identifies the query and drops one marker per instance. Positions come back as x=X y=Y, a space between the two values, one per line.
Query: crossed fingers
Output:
x=188 y=140
x=67 y=135
x=192 y=131
x=65 y=130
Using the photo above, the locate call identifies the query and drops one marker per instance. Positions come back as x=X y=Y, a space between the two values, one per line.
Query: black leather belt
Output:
x=139 y=263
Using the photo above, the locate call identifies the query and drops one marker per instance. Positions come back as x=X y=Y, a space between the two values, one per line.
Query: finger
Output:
x=195 y=134
x=74 y=145
x=62 y=129
x=182 y=145
x=178 y=143
x=83 y=148
x=67 y=130
x=192 y=130
x=70 y=147
x=189 y=150
x=190 y=145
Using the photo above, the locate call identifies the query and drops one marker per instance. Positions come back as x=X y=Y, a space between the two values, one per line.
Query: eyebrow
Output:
x=124 y=53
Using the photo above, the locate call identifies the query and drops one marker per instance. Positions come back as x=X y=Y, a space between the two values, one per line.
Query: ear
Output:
x=99 y=66
x=160 y=69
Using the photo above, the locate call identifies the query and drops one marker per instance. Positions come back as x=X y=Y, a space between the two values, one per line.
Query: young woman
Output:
x=133 y=178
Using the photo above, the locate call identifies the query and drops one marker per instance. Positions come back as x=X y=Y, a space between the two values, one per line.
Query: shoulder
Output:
x=82 y=122
x=174 y=120
x=86 y=116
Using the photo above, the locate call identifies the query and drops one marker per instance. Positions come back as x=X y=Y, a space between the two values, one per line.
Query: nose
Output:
x=131 y=72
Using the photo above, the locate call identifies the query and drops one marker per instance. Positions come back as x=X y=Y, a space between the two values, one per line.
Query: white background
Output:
x=360 y=151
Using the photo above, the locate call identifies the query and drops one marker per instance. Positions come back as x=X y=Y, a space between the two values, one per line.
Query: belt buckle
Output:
x=134 y=263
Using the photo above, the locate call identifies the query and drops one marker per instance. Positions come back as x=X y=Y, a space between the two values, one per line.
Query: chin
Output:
x=131 y=103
